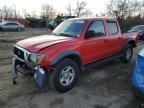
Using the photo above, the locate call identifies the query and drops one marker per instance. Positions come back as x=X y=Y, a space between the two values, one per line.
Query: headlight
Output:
x=37 y=58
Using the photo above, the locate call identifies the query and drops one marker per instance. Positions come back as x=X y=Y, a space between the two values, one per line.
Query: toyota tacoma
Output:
x=59 y=57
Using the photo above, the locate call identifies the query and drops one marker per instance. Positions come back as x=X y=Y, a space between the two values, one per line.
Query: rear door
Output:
x=14 y=26
x=115 y=38
x=95 y=48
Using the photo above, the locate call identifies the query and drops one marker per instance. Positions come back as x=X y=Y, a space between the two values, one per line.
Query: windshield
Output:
x=137 y=28
x=70 y=28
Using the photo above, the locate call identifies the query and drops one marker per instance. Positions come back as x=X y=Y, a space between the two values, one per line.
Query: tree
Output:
x=25 y=13
x=5 y=12
x=128 y=12
x=80 y=8
x=118 y=8
x=33 y=15
x=87 y=12
x=48 y=11
x=69 y=9
x=15 y=12
x=137 y=7
x=1 y=15
x=9 y=12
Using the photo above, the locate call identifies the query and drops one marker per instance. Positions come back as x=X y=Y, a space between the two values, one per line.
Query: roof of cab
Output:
x=93 y=18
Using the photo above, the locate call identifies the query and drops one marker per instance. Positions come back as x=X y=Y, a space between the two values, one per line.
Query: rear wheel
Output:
x=1 y=29
x=65 y=76
x=19 y=29
x=127 y=54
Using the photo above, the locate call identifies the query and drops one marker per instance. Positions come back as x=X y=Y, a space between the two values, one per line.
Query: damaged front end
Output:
x=25 y=62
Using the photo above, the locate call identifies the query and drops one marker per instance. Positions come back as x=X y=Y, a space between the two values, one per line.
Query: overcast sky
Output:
x=96 y=6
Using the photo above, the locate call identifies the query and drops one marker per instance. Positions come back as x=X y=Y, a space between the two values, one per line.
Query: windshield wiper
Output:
x=62 y=34
x=53 y=33
x=65 y=34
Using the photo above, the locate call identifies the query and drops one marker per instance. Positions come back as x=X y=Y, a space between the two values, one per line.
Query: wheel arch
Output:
x=74 y=55
x=132 y=43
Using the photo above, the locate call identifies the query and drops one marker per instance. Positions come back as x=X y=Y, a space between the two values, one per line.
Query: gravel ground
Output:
x=104 y=86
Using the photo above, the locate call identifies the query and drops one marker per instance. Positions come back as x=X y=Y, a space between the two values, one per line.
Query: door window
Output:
x=11 y=24
x=113 y=28
x=98 y=27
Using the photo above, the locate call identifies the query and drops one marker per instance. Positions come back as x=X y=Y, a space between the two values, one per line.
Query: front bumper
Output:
x=40 y=75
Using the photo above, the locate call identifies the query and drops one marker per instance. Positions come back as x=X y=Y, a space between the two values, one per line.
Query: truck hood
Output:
x=35 y=44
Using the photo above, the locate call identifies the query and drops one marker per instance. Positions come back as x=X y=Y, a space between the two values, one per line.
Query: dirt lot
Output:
x=105 y=86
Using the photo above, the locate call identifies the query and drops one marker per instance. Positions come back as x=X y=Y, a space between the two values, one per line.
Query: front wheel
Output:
x=127 y=54
x=65 y=76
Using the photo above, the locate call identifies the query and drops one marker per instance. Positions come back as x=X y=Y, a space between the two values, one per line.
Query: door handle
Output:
x=106 y=40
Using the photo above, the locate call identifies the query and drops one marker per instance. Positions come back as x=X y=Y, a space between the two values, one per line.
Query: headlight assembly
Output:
x=37 y=58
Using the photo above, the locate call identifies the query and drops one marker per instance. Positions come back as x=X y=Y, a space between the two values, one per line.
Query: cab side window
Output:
x=98 y=27
x=113 y=28
x=11 y=24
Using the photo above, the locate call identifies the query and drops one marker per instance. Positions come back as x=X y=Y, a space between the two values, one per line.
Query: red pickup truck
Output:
x=60 y=56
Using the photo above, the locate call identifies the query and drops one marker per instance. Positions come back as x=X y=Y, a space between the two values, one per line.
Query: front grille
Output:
x=19 y=53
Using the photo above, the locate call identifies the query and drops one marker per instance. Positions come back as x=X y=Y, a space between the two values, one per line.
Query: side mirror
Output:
x=90 y=34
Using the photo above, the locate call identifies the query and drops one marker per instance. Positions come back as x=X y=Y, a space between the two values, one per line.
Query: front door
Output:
x=95 y=48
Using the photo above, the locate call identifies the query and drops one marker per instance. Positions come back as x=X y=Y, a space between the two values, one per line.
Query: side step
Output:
x=103 y=61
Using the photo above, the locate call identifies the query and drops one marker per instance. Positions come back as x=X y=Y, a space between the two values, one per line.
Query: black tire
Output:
x=54 y=78
x=143 y=37
x=125 y=58
x=1 y=29
x=19 y=29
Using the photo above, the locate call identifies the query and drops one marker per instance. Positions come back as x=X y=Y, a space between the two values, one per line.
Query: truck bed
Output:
x=133 y=35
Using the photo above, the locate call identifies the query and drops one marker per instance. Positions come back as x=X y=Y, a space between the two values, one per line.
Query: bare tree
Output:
x=69 y=9
x=118 y=8
x=15 y=12
x=48 y=11
x=1 y=16
x=9 y=12
x=137 y=7
x=5 y=12
x=33 y=15
x=121 y=9
x=80 y=8
x=25 y=13
x=86 y=13
x=127 y=12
